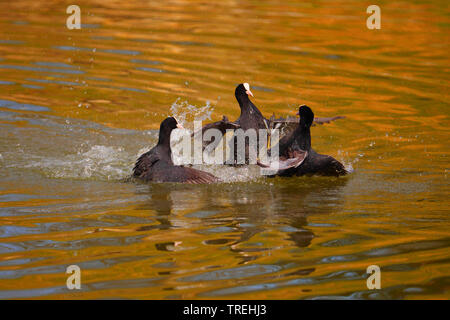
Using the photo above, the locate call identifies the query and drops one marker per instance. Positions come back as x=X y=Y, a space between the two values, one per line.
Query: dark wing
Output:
x=222 y=125
x=287 y=144
x=284 y=124
x=193 y=176
x=327 y=120
x=284 y=145
x=144 y=163
x=256 y=110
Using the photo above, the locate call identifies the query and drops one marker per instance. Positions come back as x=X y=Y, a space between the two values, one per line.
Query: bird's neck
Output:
x=303 y=136
x=244 y=103
x=164 y=144
x=164 y=139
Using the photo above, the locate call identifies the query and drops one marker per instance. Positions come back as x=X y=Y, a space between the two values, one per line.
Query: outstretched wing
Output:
x=193 y=176
x=284 y=124
x=327 y=120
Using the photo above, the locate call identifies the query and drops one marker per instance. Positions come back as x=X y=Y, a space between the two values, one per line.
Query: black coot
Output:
x=299 y=140
x=252 y=118
x=157 y=166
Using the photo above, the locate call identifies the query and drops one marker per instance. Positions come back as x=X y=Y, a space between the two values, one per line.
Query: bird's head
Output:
x=243 y=89
x=166 y=128
x=306 y=115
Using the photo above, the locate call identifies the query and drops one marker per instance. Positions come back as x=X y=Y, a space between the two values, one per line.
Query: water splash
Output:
x=87 y=151
x=346 y=161
x=348 y=166
x=186 y=113
x=229 y=174
x=98 y=163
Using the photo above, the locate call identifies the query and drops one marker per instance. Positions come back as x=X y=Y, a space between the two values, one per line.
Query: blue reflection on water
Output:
x=118 y=51
x=21 y=106
x=40 y=69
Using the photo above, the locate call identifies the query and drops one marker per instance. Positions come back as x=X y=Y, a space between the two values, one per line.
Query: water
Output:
x=78 y=106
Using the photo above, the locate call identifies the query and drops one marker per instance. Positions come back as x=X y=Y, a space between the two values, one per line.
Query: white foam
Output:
x=99 y=162
x=186 y=113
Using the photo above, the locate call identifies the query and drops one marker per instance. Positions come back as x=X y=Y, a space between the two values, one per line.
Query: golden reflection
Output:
x=63 y=201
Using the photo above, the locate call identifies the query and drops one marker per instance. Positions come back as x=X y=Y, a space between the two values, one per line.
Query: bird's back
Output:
x=152 y=166
x=321 y=164
x=144 y=164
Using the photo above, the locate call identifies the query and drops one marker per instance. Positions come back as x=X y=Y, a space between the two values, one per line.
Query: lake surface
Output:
x=77 y=107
